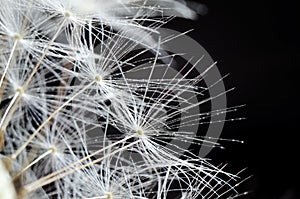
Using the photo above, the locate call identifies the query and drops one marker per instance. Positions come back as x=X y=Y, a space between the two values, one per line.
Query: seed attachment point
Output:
x=20 y=90
x=108 y=195
x=140 y=132
x=16 y=36
x=53 y=149
x=67 y=14
x=98 y=78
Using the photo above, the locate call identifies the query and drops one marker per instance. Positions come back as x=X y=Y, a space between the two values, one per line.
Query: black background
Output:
x=257 y=43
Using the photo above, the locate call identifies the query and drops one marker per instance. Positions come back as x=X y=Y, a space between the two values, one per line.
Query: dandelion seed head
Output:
x=64 y=59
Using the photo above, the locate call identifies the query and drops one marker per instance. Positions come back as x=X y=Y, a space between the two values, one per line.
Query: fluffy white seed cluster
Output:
x=74 y=120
